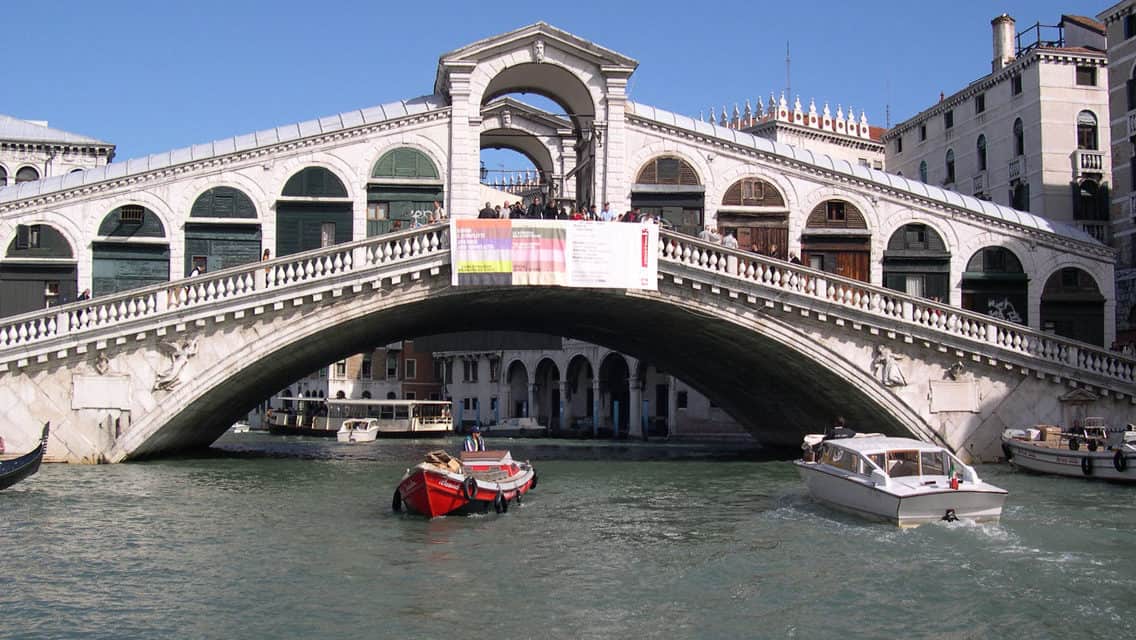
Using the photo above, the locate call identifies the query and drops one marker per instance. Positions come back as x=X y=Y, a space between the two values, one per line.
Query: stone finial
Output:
x=701 y=116
x=840 y=123
x=760 y=108
x=748 y=114
x=737 y=117
x=865 y=130
x=725 y=119
x=772 y=109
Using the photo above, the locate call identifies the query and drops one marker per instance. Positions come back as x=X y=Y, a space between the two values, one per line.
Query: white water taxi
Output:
x=899 y=480
x=1089 y=451
x=358 y=430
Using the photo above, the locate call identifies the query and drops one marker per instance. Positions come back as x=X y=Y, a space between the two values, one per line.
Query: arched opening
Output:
x=131 y=251
x=547 y=394
x=836 y=239
x=1019 y=138
x=405 y=189
x=754 y=211
x=918 y=263
x=615 y=395
x=995 y=284
x=922 y=171
x=1090 y=206
x=3 y=176
x=1087 y=131
x=950 y=167
x=1020 y=196
x=313 y=211
x=527 y=147
x=980 y=148
x=670 y=188
x=38 y=270
x=518 y=381
x=27 y=174
x=553 y=93
x=580 y=400
x=1072 y=306
x=222 y=230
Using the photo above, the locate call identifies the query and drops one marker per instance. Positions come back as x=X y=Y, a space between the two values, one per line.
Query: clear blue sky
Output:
x=153 y=76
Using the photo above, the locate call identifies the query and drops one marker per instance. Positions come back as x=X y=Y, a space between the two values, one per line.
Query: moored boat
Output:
x=476 y=482
x=358 y=430
x=899 y=480
x=16 y=469
x=1089 y=451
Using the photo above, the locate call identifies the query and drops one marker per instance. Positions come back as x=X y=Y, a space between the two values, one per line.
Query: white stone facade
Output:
x=31 y=149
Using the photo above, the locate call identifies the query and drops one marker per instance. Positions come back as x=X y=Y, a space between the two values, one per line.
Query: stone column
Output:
x=465 y=136
x=635 y=411
x=567 y=163
x=612 y=182
x=533 y=413
x=672 y=407
x=596 y=405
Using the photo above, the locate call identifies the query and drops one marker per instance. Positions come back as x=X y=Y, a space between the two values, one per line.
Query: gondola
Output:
x=16 y=469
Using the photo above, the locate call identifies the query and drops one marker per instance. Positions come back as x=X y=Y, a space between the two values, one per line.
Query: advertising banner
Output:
x=565 y=253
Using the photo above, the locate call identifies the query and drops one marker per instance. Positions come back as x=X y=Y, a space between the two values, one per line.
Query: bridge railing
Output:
x=206 y=290
x=887 y=303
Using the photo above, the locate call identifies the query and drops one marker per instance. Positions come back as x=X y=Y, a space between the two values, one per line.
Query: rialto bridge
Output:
x=142 y=366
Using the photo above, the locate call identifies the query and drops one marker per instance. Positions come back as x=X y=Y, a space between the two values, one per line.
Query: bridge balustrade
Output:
x=873 y=300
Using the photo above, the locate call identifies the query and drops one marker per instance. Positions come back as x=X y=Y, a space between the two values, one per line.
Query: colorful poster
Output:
x=562 y=253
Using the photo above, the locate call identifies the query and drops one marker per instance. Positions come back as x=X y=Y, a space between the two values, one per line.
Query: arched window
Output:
x=3 y=176
x=675 y=171
x=923 y=171
x=1086 y=131
x=404 y=162
x=950 y=166
x=981 y=146
x=315 y=182
x=27 y=174
x=752 y=192
x=1019 y=138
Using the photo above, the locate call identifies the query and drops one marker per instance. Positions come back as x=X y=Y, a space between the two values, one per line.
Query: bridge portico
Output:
x=140 y=372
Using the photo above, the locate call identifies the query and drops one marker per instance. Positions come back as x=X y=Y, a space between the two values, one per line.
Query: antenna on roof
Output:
x=788 y=85
x=887 y=104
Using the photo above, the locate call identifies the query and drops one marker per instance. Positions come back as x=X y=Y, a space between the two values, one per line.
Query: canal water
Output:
x=275 y=537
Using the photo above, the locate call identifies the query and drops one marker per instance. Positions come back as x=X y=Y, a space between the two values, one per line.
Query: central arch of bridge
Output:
x=773 y=379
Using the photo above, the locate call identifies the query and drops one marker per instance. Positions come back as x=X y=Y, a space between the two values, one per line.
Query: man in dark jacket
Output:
x=487 y=212
x=535 y=210
x=550 y=210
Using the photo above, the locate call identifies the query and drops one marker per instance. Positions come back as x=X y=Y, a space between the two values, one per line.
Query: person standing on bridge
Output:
x=474 y=441
x=486 y=213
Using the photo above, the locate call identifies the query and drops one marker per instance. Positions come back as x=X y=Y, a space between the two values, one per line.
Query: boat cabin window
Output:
x=842 y=459
x=877 y=458
x=934 y=463
x=902 y=463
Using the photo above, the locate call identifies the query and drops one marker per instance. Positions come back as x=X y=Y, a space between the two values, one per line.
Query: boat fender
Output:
x=1092 y=445
x=469 y=488
x=1074 y=444
x=1119 y=461
x=533 y=485
x=396 y=502
x=518 y=498
x=1006 y=451
x=1087 y=466
x=500 y=505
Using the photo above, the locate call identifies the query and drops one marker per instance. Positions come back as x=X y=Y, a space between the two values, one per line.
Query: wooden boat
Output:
x=1089 y=451
x=16 y=469
x=899 y=480
x=478 y=481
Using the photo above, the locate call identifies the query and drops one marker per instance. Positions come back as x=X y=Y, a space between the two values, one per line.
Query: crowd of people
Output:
x=729 y=241
x=552 y=210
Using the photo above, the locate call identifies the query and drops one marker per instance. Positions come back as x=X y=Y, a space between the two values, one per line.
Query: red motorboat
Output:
x=478 y=481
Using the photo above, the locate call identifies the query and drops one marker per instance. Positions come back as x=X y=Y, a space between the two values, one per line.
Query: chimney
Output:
x=1005 y=36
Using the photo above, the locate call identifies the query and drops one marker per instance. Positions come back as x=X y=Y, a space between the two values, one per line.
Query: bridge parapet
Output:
x=965 y=329
x=37 y=334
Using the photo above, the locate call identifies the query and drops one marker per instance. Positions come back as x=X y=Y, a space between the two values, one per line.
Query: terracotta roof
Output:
x=1085 y=22
x=876 y=133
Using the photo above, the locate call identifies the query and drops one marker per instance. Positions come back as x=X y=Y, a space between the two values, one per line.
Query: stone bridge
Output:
x=781 y=347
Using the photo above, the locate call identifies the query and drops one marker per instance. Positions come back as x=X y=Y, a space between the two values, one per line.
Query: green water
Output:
x=294 y=538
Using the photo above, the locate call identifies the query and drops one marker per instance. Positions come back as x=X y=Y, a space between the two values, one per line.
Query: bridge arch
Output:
x=670 y=185
x=132 y=248
x=996 y=283
x=518 y=382
x=314 y=207
x=1072 y=305
x=404 y=181
x=223 y=229
x=917 y=259
x=755 y=211
x=37 y=269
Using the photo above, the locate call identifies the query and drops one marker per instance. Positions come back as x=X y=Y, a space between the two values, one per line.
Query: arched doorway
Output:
x=27 y=174
x=580 y=400
x=995 y=284
x=132 y=251
x=754 y=211
x=222 y=230
x=836 y=239
x=1072 y=306
x=615 y=394
x=918 y=263
x=670 y=188
x=518 y=143
x=518 y=381
x=404 y=189
x=38 y=270
x=547 y=394
x=314 y=211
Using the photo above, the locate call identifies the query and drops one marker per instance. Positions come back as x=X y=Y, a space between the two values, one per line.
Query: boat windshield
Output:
x=934 y=463
x=902 y=463
x=842 y=459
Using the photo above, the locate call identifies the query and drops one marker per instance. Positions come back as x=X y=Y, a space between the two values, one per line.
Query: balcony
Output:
x=1087 y=161
x=1017 y=168
x=1132 y=123
x=1098 y=230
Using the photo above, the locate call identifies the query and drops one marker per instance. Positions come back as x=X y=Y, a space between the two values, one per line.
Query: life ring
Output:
x=1119 y=462
x=1074 y=444
x=1006 y=451
x=1092 y=444
x=1087 y=466
x=396 y=502
x=469 y=488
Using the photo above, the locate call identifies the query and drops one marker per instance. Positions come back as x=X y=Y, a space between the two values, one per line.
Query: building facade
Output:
x=1120 y=21
x=1031 y=134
